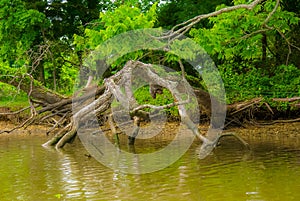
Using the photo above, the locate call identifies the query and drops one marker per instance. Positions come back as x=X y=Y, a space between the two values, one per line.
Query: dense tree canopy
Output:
x=50 y=39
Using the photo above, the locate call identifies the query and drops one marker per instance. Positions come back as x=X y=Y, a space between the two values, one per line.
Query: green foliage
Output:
x=230 y=36
x=186 y=49
x=250 y=61
x=124 y=18
x=143 y=97
x=182 y=10
x=73 y=29
x=10 y=96
x=28 y=26
x=19 y=28
x=257 y=82
x=120 y=20
x=68 y=76
x=7 y=71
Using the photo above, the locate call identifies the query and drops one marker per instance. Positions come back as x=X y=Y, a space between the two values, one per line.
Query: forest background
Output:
x=257 y=54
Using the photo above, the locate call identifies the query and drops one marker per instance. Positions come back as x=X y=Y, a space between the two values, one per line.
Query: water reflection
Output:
x=271 y=171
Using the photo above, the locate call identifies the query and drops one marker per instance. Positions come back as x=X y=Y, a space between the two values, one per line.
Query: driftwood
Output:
x=286 y=99
x=238 y=112
x=70 y=113
x=98 y=101
x=294 y=100
x=59 y=113
x=76 y=112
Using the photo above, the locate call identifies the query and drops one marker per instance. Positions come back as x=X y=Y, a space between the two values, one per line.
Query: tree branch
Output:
x=156 y=107
x=271 y=13
x=187 y=25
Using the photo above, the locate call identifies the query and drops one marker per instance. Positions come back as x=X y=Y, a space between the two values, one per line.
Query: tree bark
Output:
x=98 y=100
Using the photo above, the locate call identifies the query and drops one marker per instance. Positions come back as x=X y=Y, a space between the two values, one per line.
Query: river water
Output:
x=270 y=171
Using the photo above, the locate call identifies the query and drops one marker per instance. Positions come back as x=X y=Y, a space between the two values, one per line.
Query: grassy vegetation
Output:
x=12 y=98
x=284 y=83
x=143 y=96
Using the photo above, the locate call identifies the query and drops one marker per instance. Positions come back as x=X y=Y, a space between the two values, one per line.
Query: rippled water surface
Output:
x=270 y=171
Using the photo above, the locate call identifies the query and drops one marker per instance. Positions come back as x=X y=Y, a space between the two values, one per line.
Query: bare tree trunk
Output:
x=264 y=42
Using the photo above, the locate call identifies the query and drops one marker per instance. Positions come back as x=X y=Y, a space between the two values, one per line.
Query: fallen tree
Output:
x=98 y=100
x=70 y=113
x=75 y=112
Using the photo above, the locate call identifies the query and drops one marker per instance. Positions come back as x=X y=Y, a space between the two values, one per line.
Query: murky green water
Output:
x=271 y=171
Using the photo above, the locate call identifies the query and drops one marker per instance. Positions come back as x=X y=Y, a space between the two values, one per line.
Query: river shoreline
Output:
x=288 y=129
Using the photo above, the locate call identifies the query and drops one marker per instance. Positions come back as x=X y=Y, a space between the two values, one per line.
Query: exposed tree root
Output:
x=74 y=113
x=71 y=114
x=98 y=101
x=278 y=121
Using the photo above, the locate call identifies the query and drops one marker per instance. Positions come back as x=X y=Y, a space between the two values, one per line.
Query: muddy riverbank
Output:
x=285 y=129
x=269 y=171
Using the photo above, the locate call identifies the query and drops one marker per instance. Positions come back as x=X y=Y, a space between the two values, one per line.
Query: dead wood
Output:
x=293 y=99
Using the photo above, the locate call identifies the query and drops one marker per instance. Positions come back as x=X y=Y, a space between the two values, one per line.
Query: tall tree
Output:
x=20 y=29
x=243 y=37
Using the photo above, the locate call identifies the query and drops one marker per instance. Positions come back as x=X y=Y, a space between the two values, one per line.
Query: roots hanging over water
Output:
x=67 y=115
x=70 y=114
